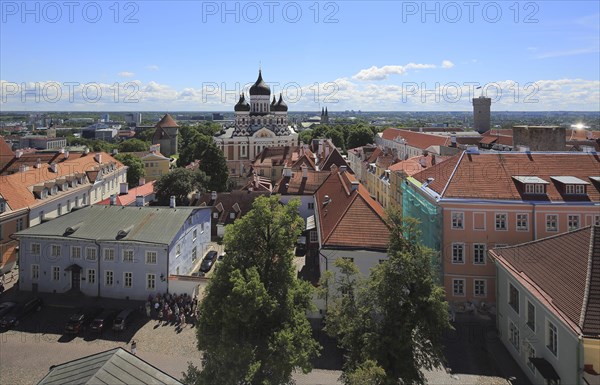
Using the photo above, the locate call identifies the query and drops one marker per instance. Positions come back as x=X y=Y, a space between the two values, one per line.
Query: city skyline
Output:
x=376 y=56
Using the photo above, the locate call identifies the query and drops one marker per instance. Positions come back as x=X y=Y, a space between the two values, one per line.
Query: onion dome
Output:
x=242 y=104
x=260 y=87
x=273 y=102
x=280 y=106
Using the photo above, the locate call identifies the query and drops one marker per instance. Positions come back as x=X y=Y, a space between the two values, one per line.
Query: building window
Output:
x=215 y=215
x=458 y=253
x=150 y=281
x=151 y=257
x=314 y=237
x=479 y=251
x=513 y=297
x=91 y=276
x=551 y=223
x=501 y=224
x=35 y=271
x=458 y=221
x=311 y=206
x=532 y=188
x=596 y=220
x=573 y=222
x=480 y=287
x=127 y=255
x=108 y=278
x=55 y=273
x=513 y=335
x=127 y=279
x=35 y=249
x=194 y=254
x=529 y=353
x=575 y=189
x=177 y=251
x=194 y=235
x=109 y=255
x=75 y=252
x=55 y=251
x=19 y=224
x=522 y=222
x=90 y=253
x=530 y=315
x=552 y=338
x=458 y=287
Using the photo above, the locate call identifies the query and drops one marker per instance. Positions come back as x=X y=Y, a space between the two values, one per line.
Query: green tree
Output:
x=253 y=327
x=180 y=182
x=395 y=317
x=145 y=135
x=306 y=136
x=360 y=136
x=212 y=161
x=134 y=145
x=135 y=168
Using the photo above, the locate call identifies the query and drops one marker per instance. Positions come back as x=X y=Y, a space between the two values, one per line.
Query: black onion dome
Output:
x=260 y=87
x=280 y=106
x=242 y=104
x=274 y=101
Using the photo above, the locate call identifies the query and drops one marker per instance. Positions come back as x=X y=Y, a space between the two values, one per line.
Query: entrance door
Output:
x=75 y=279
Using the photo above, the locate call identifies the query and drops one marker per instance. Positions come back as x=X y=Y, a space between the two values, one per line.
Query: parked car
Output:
x=81 y=318
x=123 y=319
x=16 y=313
x=103 y=321
x=208 y=261
x=5 y=307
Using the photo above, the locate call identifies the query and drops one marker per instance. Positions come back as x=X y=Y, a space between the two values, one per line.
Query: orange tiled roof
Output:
x=416 y=139
x=298 y=185
x=17 y=188
x=490 y=175
x=570 y=286
x=5 y=150
x=351 y=218
x=415 y=164
x=167 y=122
x=129 y=198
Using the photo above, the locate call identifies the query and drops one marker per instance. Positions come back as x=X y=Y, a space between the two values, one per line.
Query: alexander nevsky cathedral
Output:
x=260 y=123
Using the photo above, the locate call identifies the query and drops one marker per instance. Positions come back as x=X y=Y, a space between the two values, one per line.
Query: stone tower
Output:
x=481 y=114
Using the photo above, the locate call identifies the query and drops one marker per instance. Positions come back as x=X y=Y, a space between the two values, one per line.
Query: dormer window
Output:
x=575 y=189
x=572 y=185
x=65 y=186
x=44 y=193
x=532 y=188
x=532 y=184
x=54 y=190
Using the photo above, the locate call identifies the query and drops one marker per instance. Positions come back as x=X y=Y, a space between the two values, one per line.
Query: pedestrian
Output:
x=133 y=347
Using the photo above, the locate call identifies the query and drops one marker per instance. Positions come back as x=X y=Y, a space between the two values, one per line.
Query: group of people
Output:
x=172 y=308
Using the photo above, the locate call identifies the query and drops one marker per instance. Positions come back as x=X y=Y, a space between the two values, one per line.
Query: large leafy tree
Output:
x=212 y=161
x=135 y=168
x=360 y=136
x=180 y=183
x=392 y=320
x=253 y=327
x=134 y=145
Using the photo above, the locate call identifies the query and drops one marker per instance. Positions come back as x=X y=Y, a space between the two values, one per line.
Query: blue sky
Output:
x=386 y=55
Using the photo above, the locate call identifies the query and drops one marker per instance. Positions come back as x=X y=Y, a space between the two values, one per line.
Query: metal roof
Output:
x=530 y=179
x=115 y=366
x=145 y=224
x=568 y=180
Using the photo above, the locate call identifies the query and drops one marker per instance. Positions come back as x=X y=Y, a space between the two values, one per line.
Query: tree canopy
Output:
x=134 y=145
x=390 y=323
x=135 y=168
x=180 y=182
x=359 y=136
x=252 y=327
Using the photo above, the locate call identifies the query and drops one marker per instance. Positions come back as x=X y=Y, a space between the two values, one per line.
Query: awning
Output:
x=310 y=223
x=545 y=368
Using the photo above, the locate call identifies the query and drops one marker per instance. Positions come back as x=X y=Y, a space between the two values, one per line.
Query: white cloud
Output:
x=126 y=74
x=447 y=64
x=152 y=67
x=381 y=73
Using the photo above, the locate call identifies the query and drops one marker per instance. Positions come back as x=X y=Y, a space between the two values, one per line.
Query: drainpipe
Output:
x=98 y=276
x=534 y=224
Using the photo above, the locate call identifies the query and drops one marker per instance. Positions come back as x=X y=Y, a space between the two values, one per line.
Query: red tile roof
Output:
x=17 y=188
x=129 y=198
x=416 y=139
x=414 y=165
x=349 y=218
x=298 y=185
x=30 y=159
x=236 y=202
x=563 y=272
x=490 y=175
x=167 y=122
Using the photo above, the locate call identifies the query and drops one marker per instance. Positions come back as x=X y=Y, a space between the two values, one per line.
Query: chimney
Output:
x=62 y=150
x=115 y=151
x=521 y=148
x=343 y=169
x=142 y=182
x=139 y=200
x=54 y=167
x=23 y=168
x=86 y=150
x=18 y=154
x=287 y=171
x=172 y=202
x=113 y=200
x=124 y=188
x=213 y=195
x=453 y=140
x=354 y=185
x=304 y=171
x=422 y=162
x=67 y=154
x=38 y=163
x=98 y=157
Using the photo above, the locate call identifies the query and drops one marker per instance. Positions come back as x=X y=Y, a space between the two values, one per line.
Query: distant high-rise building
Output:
x=106 y=118
x=481 y=114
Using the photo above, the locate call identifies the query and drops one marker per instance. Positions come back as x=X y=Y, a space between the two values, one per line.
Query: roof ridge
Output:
x=452 y=174
x=352 y=199
x=543 y=239
x=588 y=279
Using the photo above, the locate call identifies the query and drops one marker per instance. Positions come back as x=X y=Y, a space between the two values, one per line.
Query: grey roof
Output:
x=102 y=222
x=568 y=180
x=115 y=366
x=530 y=179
